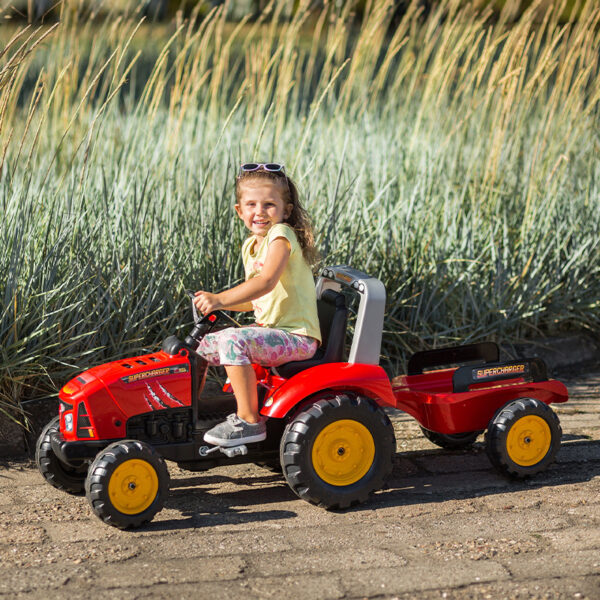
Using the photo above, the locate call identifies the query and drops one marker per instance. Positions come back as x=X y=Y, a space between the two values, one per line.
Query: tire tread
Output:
x=53 y=470
x=97 y=489
x=506 y=416
x=297 y=440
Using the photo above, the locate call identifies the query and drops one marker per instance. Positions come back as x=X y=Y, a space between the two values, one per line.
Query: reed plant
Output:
x=453 y=156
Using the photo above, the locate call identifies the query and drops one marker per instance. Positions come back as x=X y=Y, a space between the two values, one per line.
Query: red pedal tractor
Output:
x=326 y=428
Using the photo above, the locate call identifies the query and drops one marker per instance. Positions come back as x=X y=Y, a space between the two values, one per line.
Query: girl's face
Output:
x=261 y=206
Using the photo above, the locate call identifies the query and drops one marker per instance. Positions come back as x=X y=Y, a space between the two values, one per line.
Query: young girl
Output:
x=279 y=288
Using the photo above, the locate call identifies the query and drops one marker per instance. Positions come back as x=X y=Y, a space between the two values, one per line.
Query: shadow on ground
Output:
x=202 y=503
x=418 y=477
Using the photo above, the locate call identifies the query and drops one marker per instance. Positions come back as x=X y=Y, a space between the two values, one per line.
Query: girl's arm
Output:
x=245 y=307
x=241 y=295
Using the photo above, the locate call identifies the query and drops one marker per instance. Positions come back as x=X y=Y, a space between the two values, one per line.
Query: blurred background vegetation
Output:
x=160 y=10
x=449 y=148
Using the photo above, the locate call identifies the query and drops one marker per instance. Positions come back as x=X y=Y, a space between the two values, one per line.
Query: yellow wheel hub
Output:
x=343 y=452
x=528 y=440
x=133 y=486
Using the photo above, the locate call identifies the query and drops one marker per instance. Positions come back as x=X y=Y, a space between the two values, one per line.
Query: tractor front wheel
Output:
x=523 y=437
x=57 y=473
x=127 y=484
x=338 y=450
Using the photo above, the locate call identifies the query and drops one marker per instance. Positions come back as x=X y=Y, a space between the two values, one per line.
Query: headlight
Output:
x=69 y=422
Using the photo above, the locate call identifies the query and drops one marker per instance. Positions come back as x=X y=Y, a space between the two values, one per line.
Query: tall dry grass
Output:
x=454 y=157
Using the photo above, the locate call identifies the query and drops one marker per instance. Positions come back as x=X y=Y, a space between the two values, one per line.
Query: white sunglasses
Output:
x=270 y=167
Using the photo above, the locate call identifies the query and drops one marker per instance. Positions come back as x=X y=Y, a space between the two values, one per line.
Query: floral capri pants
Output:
x=258 y=345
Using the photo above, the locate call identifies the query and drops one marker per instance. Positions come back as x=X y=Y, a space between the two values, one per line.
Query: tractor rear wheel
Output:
x=338 y=450
x=57 y=473
x=127 y=484
x=523 y=438
x=451 y=441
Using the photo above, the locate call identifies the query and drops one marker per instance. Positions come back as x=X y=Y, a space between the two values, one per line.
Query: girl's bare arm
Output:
x=245 y=307
x=241 y=295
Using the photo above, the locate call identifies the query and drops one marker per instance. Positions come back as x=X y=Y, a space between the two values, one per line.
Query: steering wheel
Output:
x=209 y=320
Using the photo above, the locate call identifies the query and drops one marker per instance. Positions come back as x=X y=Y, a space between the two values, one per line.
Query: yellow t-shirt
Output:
x=292 y=304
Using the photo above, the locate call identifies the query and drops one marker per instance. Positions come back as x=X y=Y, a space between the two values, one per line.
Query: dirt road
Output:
x=448 y=526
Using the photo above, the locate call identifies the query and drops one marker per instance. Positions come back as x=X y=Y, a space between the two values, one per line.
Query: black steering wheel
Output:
x=208 y=321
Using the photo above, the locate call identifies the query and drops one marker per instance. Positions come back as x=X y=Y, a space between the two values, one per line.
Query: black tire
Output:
x=366 y=430
x=451 y=441
x=57 y=473
x=523 y=438
x=138 y=488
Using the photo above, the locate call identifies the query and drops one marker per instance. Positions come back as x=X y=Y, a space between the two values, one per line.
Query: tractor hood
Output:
x=111 y=393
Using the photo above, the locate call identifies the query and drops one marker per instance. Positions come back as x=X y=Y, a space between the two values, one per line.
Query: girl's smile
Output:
x=261 y=206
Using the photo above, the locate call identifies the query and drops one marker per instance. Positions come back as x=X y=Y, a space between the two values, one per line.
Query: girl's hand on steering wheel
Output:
x=206 y=302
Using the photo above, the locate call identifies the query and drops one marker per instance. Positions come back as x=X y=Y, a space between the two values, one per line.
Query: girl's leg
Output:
x=237 y=350
x=245 y=427
x=209 y=347
x=243 y=382
x=229 y=347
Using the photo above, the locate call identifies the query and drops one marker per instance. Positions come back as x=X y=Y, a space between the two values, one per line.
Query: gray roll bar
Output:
x=366 y=344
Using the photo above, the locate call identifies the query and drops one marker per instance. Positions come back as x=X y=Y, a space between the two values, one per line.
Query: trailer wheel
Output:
x=58 y=474
x=337 y=451
x=451 y=441
x=127 y=484
x=523 y=437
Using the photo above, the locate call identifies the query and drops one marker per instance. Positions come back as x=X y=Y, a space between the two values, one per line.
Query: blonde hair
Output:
x=298 y=220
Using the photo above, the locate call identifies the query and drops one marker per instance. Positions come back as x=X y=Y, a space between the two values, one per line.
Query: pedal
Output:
x=230 y=452
x=234 y=450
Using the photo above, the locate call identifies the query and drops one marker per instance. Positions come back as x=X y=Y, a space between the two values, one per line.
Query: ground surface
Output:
x=448 y=526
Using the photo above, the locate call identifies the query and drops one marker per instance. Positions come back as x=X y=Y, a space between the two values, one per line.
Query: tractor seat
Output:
x=333 y=318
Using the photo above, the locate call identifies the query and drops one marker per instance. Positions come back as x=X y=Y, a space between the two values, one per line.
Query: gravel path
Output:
x=448 y=526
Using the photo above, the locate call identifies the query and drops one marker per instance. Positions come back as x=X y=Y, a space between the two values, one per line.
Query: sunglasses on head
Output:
x=270 y=167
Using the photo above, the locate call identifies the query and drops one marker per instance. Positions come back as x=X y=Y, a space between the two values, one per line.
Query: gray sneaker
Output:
x=235 y=432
